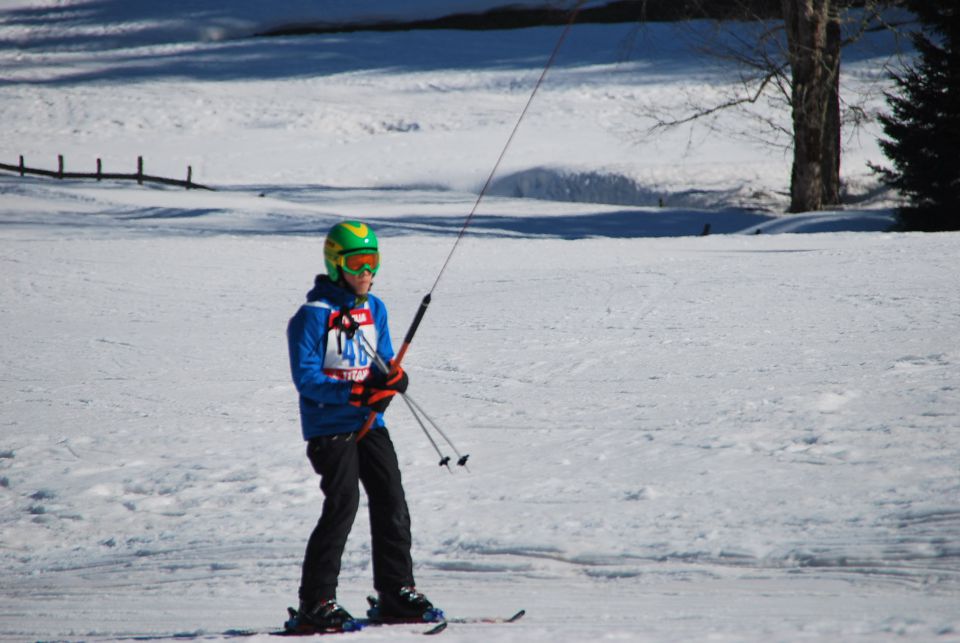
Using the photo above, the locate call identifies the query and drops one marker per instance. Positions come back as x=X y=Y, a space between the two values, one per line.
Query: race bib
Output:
x=346 y=357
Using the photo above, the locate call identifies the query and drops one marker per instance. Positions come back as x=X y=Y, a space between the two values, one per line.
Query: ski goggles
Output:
x=355 y=263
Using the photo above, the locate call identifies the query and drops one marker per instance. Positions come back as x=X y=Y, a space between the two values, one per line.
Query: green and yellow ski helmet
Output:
x=345 y=238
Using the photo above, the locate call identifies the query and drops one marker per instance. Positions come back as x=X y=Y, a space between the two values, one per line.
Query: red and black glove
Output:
x=398 y=381
x=378 y=399
x=378 y=389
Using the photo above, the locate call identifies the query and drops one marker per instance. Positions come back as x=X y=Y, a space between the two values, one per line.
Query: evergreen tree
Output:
x=924 y=124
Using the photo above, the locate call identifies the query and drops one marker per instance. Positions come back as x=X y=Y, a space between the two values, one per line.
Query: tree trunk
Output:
x=813 y=44
x=831 y=137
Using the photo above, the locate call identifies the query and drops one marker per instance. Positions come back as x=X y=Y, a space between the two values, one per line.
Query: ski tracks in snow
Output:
x=736 y=396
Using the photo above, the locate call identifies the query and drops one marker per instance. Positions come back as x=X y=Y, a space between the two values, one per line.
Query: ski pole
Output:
x=416 y=410
x=371 y=418
x=461 y=459
x=384 y=368
x=444 y=459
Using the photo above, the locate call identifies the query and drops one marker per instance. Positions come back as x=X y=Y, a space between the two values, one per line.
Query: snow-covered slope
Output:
x=740 y=437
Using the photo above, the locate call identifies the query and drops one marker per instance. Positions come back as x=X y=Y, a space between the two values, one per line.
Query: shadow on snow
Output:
x=621 y=224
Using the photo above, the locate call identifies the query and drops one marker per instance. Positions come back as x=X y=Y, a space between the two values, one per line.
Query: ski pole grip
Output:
x=368 y=424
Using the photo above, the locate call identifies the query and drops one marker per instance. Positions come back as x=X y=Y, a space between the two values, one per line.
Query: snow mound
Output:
x=677 y=212
x=610 y=188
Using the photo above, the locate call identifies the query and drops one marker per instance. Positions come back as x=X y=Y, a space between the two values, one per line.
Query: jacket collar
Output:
x=335 y=293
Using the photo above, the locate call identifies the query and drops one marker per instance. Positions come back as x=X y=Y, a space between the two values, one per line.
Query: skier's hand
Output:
x=378 y=399
x=397 y=382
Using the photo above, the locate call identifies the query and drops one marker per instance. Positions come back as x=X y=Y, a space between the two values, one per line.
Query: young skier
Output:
x=339 y=385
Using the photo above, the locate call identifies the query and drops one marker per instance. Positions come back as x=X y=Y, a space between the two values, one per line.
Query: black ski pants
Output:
x=343 y=463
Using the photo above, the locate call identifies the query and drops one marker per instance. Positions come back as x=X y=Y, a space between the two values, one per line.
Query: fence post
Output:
x=59 y=166
x=21 y=165
x=140 y=170
x=99 y=169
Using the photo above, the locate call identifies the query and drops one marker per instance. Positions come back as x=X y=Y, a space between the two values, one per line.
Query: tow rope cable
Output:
x=506 y=146
x=421 y=311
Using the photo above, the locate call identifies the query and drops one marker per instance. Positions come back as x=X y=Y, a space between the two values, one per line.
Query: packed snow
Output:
x=746 y=436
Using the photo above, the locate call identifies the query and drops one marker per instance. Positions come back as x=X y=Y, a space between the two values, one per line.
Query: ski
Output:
x=358 y=625
x=487 y=619
x=436 y=627
x=467 y=620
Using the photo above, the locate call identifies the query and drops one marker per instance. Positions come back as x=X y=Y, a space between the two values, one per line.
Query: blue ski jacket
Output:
x=325 y=361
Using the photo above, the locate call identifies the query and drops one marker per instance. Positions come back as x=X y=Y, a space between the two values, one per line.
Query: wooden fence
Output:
x=100 y=175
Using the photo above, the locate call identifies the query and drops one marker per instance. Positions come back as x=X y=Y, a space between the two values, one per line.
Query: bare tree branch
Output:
x=789 y=85
x=709 y=111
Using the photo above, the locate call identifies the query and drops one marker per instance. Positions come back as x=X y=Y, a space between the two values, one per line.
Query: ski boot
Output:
x=406 y=605
x=320 y=618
